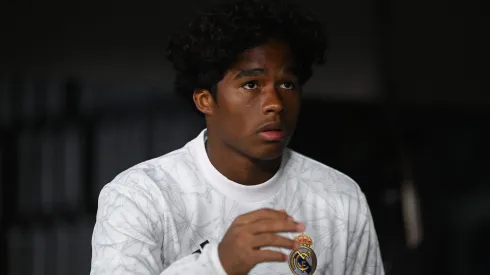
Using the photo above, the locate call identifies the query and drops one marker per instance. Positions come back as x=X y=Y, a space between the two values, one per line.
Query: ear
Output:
x=204 y=101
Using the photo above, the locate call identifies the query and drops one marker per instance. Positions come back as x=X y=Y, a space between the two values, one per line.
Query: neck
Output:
x=237 y=166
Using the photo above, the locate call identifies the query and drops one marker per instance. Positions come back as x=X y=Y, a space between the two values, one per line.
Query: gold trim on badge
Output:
x=303 y=261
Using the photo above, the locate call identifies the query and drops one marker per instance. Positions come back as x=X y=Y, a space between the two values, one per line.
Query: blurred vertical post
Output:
x=410 y=204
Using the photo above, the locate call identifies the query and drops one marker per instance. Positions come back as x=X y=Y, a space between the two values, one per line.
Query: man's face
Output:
x=257 y=102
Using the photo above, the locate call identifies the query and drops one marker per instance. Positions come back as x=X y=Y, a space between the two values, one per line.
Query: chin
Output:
x=270 y=152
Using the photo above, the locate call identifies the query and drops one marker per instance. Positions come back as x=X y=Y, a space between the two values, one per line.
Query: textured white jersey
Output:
x=167 y=215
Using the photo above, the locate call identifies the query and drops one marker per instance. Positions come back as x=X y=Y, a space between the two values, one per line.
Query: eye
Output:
x=252 y=85
x=287 y=85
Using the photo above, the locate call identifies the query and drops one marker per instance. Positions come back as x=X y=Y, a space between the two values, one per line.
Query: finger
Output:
x=273 y=240
x=261 y=256
x=275 y=226
x=261 y=214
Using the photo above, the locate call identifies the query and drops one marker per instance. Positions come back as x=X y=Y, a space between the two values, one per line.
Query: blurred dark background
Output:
x=401 y=106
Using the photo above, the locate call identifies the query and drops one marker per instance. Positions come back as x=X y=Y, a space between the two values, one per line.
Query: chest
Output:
x=203 y=217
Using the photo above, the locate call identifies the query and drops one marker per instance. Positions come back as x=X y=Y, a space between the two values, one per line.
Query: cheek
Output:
x=292 y=104
x=236 y=102
x=236 y=112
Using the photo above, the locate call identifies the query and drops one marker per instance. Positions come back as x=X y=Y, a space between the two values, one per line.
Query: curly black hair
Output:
x=216 y=37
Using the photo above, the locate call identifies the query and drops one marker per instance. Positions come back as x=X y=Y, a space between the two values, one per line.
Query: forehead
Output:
x=270 y=54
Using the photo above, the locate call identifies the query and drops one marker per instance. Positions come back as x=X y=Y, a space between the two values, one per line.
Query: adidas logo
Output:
x=202 y=245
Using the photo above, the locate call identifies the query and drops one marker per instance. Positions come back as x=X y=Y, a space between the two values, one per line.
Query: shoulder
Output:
x=316 y=174
x=150 y=177
x=332 y=186
x=131 y=208
x=327 y=182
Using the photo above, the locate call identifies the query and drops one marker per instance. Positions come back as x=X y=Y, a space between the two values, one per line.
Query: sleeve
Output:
x=128 y=237
x=363 y=253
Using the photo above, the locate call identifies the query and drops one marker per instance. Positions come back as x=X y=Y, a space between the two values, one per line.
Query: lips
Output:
x=273 y=131
x=271 y=126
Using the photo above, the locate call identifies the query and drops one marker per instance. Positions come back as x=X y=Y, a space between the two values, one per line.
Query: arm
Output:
x=129 y=234
x=363 y=255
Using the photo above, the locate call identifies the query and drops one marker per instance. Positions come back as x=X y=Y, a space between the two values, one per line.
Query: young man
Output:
x=235 y=200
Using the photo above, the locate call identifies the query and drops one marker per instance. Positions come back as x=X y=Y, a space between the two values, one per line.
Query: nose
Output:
x=272 y=101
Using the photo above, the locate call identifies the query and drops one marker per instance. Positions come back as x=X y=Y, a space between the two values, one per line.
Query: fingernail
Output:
x=290 y=219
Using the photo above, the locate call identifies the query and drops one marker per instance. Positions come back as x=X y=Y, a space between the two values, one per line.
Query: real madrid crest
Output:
x=303 y=260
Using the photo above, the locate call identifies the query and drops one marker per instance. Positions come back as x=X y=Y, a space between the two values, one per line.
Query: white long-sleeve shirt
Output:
x=167 y=216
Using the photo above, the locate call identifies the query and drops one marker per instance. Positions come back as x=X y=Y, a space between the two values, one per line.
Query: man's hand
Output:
x=240 y=249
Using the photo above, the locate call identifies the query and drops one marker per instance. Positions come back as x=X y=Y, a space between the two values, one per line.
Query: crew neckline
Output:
x=229 y=188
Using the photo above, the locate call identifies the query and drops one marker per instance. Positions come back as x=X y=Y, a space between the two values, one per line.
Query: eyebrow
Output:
x=260 y=71
x=251 y=72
